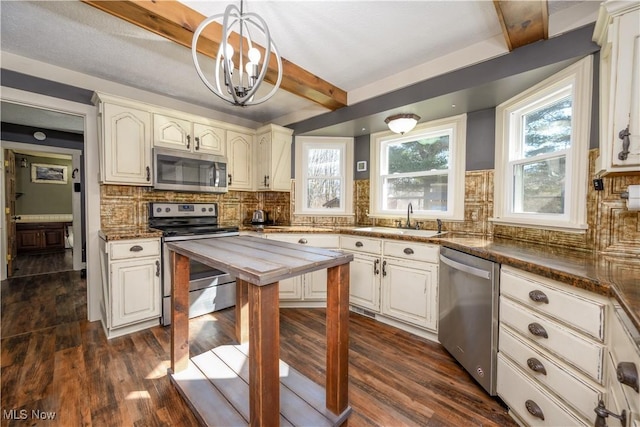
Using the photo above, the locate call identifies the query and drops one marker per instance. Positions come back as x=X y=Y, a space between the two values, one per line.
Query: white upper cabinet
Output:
x=273 y=163
x=618 y=32
x=125 y=142
x=195 y=135
x=239 y=155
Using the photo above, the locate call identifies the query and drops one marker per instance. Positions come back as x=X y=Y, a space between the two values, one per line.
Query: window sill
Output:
x=555 y=226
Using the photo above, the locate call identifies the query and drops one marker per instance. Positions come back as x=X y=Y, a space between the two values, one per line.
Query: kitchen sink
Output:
x=401 y=231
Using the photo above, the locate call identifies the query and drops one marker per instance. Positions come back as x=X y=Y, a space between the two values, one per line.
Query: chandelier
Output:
x=401 y=123
x=238 y=86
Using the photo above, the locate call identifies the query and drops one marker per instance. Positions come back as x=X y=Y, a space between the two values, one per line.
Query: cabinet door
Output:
x=290 y=289
x=409 y=291
x=626 y=98
x=239 y=149
x=364 y=286
x=171 y=132
x=135 y=291
x=280 y=156
x=126 y=145
x=53 y=238
x=28 y=240
x=263 y=167
x=208 y=139
x=315 y=285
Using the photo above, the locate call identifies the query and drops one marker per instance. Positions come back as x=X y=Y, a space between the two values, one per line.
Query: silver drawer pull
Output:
x=537 y=330
x=536 y=366
x=534 y=409
x=135 y=248
x=627 y=374
x=538 y=296
x=359 y=244
x=408 y=251
x=302 y=241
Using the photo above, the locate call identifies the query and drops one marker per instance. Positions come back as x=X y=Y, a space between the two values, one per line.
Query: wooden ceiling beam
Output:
x=523 y=21
x=177 y=22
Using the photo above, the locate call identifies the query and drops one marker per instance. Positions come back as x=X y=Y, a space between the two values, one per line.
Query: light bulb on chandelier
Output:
x=239 y=86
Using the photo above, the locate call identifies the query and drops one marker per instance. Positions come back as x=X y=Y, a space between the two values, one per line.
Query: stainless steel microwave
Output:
x=193 y=172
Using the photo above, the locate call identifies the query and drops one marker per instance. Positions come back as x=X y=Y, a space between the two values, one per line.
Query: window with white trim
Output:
x=425 y=168
x=542 y=140
x=324 y=176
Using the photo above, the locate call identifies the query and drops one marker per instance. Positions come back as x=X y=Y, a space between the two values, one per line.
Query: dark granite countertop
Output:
x=612 y=276
x=126 y=233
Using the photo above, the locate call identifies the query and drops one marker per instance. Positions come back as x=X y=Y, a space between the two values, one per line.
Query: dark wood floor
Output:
x=55 y=361
x=30 y=264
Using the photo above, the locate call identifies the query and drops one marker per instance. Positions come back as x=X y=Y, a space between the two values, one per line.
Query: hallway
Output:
x=31 y=264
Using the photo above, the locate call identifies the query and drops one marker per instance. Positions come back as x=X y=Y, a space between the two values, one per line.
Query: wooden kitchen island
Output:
x=218 y=385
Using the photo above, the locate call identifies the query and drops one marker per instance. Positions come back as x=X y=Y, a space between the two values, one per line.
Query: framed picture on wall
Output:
x=48 y=174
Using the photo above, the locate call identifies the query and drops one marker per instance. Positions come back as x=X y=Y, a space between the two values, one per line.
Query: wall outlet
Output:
x=598 y=184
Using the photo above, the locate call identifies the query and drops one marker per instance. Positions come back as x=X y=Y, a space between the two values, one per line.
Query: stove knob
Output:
x=210 y=209
x=204 y=209
x=159 y=210
x=167 y=209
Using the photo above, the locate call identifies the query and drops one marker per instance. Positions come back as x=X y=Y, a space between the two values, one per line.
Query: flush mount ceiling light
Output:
x=40 y=136
x=402 y=123
x=238 y=86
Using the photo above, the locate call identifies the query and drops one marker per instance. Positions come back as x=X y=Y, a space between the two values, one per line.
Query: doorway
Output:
x=42 y=208
x=45 y=228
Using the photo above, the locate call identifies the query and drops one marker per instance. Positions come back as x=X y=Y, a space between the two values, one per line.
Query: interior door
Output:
x=10 y=206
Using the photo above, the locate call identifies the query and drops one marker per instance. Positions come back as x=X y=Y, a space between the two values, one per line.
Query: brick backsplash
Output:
x=611 y=229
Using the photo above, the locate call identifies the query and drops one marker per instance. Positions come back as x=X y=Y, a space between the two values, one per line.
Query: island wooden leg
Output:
x=264 y=355
x=179 y=312
x=242 y=311
x=337 y=381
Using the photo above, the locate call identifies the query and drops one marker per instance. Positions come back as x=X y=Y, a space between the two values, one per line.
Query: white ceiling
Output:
x=367 y=48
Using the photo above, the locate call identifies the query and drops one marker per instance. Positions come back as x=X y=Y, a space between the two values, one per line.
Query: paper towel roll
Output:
x=633 y=202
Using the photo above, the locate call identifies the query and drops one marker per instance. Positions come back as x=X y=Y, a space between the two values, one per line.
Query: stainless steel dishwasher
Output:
x=468 y=324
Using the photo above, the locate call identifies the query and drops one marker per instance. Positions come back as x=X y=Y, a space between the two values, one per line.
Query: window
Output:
x=542 y=137
x=425 y=169
x=324 y=176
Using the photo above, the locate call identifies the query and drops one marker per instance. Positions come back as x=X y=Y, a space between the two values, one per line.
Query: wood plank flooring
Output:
x=56 y=362
x=31 y=264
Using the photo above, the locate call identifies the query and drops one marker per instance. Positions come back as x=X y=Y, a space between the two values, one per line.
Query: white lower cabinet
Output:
x=394 y=279
x=551 y=360
x=409 y=289
x=131 y=285
x=307 y=290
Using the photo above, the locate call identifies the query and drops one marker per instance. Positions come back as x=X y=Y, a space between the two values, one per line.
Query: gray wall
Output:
x=42 y=198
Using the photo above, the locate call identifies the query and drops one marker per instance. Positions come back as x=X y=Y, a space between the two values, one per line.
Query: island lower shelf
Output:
x=216 y=385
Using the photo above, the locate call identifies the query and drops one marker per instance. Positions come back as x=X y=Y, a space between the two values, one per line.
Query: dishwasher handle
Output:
x=466 y=268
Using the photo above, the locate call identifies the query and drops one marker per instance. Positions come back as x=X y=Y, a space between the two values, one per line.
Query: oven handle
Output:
x=466 y=268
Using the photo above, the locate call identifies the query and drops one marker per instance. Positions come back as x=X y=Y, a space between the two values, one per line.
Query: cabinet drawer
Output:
x=521 y=393
x=585 y=314
x=584 y=354
x=361 y=244
x=411 y=250
x=317 y=240
x=550 y=372
x=134 y=248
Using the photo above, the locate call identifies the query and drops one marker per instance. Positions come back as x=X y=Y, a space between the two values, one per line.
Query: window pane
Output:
x=323 y=193
x=548 y=129
x=540 y=187
x=324 y=162
x=426 y=193
x=422 y=155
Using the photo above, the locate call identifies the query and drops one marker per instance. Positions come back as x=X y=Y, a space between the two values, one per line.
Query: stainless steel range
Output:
x=209 y=289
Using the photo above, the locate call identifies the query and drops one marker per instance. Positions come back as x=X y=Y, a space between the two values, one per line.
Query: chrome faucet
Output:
x=409 y=212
